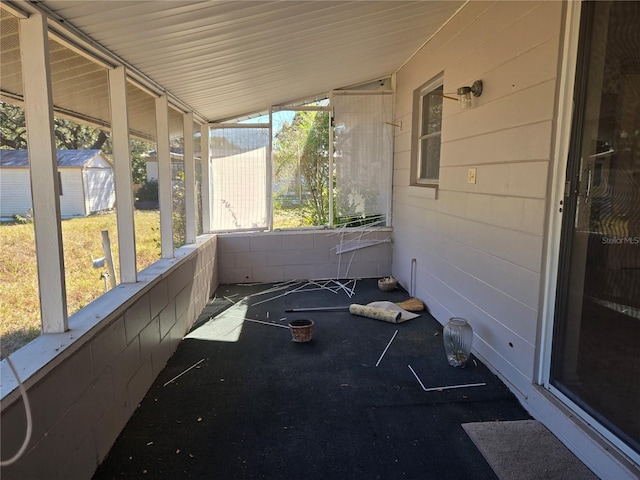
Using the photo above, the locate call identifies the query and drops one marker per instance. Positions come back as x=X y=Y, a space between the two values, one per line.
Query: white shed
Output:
x=86 y=183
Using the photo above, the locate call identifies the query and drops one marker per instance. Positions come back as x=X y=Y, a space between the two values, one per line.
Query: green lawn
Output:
x=19 y=298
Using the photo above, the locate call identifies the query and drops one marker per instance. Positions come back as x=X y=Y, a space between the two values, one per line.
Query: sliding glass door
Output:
x=595 y=353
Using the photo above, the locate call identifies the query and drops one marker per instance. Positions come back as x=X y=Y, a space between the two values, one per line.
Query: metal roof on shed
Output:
x=66 y=158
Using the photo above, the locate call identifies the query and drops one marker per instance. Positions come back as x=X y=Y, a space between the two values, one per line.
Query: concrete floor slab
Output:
x=261 y=406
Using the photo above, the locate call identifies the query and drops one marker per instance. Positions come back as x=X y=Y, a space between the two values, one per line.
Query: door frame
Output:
x=558 y=195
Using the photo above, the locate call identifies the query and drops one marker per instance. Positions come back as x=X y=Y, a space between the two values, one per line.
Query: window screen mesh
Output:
x=363 y=157
x=239 y=182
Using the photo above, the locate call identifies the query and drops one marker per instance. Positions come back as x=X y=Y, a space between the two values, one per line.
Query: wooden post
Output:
x=106 y=247
x=165 y=198
x=205 y=138
x=43 y=169
x=189 y=179
x=122 y=166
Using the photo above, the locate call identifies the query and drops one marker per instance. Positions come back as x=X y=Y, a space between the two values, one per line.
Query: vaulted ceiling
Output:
x=225 y=59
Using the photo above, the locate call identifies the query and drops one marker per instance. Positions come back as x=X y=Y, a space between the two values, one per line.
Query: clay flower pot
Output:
x=301 y=330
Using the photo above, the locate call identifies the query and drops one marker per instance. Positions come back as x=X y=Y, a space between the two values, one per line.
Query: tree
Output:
x=69 y=136
x=138 y=149
x=13 y=132
x=315 y=167
x=73 y=136
x=301 y=164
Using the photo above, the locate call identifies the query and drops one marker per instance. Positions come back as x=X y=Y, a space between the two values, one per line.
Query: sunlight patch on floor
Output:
x=225 y=327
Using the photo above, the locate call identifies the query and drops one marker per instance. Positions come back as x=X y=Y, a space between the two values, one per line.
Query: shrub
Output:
x=26 y=218
x=148 y=191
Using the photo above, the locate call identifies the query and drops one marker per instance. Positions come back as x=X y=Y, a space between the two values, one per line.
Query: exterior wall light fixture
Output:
x=464 y=94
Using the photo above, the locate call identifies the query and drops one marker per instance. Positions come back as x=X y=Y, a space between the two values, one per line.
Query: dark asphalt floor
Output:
x=261 y=406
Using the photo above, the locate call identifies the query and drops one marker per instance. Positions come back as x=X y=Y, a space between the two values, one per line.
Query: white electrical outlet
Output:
x=472 y=175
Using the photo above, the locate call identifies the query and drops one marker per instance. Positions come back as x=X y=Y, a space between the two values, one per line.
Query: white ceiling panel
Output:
x=227 y=59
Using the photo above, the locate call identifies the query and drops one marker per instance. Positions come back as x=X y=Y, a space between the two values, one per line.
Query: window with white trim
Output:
x=427 y=128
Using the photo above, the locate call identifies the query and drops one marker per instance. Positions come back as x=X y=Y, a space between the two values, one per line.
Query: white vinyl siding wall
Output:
x=99 y=189
x=16 y=192
x=72 y=199
x=478 y=247
x=84 y=190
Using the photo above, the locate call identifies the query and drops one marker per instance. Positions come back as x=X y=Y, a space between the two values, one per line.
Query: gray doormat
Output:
x=524 y=450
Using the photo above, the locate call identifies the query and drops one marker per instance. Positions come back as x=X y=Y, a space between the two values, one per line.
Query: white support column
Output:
x=122 y=166
x=43 y=167
x=189 y=178
x=164 y=177
x=205 y=139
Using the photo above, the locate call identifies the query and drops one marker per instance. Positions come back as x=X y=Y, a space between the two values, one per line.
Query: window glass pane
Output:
x=430 y=165
x=239 y=186
x=363 y=158
x=197 y=153
x=176 y=130
x=432 y=111
x=19 y=296
x=86 y=169
x=141 y=110
x=594 y=359
x=300 y=168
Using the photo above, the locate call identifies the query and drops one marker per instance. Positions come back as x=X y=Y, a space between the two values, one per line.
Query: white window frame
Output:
x=419 y=157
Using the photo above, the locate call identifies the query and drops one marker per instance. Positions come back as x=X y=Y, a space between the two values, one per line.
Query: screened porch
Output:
x=259 y=145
